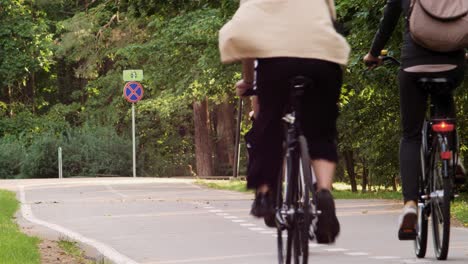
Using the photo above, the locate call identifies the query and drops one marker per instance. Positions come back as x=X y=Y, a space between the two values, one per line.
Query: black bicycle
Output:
x=439 y=157
x=296 y=214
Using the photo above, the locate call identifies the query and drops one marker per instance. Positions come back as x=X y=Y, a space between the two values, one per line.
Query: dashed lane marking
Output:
x=323 y=247
x=336 y=249
x=257 y=229
x=385 y=257
x=357 y=253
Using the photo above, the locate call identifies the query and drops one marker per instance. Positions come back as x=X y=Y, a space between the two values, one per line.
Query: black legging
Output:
x=319 y=110
x=413 y=107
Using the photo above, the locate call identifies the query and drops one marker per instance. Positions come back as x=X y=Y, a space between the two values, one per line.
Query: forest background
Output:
x=61 y=64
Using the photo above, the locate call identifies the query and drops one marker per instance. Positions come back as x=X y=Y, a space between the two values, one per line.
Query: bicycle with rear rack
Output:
x=439 y=157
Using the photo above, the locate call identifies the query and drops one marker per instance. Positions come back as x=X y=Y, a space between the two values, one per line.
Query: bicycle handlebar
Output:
x=391 y=59
x=384 y=60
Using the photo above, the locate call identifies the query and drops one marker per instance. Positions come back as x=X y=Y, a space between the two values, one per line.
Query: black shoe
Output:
x=263 y=205
x=328 y=226
x=270 y=220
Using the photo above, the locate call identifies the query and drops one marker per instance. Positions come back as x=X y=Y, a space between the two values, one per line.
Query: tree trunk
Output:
x=225 y=128
x=394 y=183
x=203 y=140
x=365 y=176
x=349 y=159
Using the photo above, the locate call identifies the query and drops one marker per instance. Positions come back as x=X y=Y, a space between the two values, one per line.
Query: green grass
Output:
x=343 y=191
x=71 y=248
x=460 y=209
x=15 y=247
x=232 y=185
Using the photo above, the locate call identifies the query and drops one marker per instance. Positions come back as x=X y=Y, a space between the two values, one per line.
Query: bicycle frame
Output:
x=295 y=211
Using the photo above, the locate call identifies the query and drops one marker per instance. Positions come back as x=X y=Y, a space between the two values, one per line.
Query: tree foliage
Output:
x=60 y=68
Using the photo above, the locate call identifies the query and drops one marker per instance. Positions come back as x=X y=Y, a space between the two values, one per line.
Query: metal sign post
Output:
x=134 y=140
x=237 y=143
x=60 y=167
x=133 y=92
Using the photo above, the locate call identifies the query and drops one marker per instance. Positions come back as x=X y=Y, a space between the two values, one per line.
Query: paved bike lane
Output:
x=167 y=221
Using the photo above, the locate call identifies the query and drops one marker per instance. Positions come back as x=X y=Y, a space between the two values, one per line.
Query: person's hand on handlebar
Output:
x=372 y=62
x=243 y=88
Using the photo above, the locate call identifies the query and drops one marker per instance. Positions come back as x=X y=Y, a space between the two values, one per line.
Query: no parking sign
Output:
x=133 y=92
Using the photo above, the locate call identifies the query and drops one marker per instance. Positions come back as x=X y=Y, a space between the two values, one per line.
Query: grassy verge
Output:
x=343 y=191
x=460 y=209
x=71 y=248
x=15 y=247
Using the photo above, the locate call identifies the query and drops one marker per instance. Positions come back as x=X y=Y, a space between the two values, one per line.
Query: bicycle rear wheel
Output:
x=440 y=206
x=420 y=243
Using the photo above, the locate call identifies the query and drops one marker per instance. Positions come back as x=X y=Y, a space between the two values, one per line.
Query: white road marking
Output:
x=261 y=230
x=385 y=257
x=314 y=245
x=336 y=249
x=411 y=261
x=109 y=252
x=357 y=254
x=257 y=229
x=112 y=190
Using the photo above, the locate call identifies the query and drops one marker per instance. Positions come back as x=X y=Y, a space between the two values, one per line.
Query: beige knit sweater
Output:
x=283 y=28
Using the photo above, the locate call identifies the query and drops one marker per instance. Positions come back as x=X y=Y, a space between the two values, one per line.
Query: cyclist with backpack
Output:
x=425 y=53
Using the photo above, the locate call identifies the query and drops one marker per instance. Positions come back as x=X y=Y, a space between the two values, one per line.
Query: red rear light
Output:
x=443 y=127
x=446 y=155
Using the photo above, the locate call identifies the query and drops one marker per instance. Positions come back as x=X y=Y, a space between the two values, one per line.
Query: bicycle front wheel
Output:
x=304 y=204
x=283 y=208
x=420 y=243
x=440 y=206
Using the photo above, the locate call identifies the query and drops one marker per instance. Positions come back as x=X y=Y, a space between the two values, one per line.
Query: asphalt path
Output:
x=167 y=221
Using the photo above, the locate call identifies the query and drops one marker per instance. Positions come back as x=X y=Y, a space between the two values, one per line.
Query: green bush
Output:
x=96 y=150
x=86 y=151
x=11 y=156
x=41 y=160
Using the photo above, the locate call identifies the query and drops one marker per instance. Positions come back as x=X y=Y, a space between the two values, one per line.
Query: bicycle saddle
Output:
x=436 y=85
x=300 y=82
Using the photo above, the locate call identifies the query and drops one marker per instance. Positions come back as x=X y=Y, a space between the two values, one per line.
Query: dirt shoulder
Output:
x=51 y=253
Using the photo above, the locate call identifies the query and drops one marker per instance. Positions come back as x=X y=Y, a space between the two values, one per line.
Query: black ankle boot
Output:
x=262 y=205
x=328 y=226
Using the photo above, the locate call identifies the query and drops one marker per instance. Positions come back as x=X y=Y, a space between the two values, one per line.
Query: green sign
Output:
x=133 y=75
